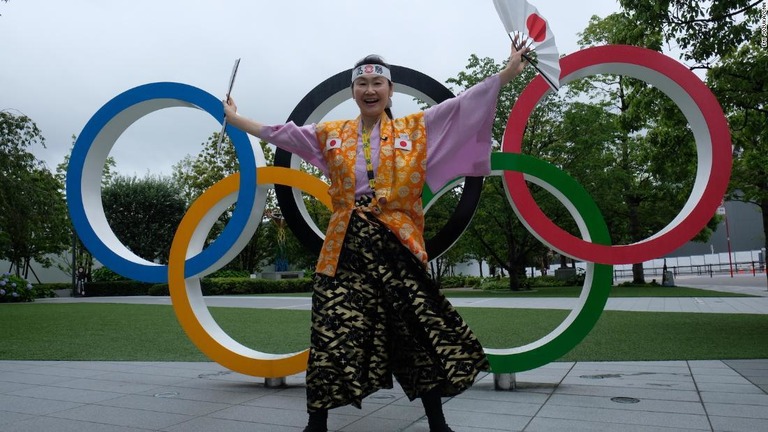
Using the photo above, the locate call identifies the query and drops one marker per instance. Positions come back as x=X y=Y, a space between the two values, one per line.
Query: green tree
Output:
x=32 y=208
x=724 y=38
x=107 y=174
x=144 y=214
x=496 y=234
x=82 y=257
x=195 y=174
x=434 y=220
x=644 y=144
x=743 y=91
x=704 y=31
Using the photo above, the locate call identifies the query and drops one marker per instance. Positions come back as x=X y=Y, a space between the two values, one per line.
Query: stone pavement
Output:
x=714 y=395
x=562 y=396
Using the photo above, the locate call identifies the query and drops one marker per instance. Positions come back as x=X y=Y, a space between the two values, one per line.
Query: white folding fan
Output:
x=522 y=20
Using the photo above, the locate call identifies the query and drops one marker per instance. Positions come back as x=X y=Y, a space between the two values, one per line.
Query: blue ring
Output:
x=112 y=119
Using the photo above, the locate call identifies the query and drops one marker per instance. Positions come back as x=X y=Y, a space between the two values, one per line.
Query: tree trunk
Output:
x=638 y=275
x=764 y=209
x=514 y=281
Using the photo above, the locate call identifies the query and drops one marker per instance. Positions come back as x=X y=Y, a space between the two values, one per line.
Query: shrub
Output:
x=103 y=274
x=452 y=281
x=460 y=281
x=15 y=289
x=578 y=279
x=495 y=284
x=225 y=273
x=116 y=288
x=631 y=284
x=242 y=286
x=547 y=281
x=49 y=290
x=473 y=281
x=159 y=290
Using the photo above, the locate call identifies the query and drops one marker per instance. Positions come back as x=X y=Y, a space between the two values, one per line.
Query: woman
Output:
x=375 y=310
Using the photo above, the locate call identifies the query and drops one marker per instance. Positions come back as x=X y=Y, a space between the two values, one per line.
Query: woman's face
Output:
x=371 y=93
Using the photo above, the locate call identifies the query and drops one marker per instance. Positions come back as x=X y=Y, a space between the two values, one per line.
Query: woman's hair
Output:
x=379 y=60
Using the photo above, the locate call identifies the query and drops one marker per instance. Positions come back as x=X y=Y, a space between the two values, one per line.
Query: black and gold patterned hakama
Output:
x=382 y=315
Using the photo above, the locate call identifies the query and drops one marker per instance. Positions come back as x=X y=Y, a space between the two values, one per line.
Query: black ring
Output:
x=320 y=98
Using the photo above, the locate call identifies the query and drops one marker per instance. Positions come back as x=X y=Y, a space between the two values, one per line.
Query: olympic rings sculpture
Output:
x=188 y=261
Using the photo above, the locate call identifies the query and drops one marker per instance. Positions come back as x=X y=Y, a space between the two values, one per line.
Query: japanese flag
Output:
x=522 y=18
x=403 y=143
x=333 y=143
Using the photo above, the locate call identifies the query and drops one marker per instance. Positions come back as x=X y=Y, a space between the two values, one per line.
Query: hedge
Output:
x=116 y=288
x=209 y=287
x=235 y=286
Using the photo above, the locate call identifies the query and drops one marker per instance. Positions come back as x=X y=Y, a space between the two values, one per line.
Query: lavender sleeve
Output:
x=459 y=134
x=299 y=140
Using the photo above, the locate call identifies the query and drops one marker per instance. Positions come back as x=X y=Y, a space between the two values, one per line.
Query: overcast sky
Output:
x=60 y=61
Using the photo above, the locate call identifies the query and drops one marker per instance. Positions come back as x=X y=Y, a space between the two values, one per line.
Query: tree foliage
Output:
x=496 y=235
x=272 y=240
x=623 y=140
x=434 y=221
x=144 y=214
x=82 y=257
x=724 y=37
x=32 y=208
x=705 y=32
x=649 y=159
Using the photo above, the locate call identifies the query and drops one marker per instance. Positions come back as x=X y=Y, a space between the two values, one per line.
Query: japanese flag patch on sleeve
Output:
x=332 y=143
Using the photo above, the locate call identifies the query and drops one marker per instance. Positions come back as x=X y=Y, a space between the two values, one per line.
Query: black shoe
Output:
x=318 y=421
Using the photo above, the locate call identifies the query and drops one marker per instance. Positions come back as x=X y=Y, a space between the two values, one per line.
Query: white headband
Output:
x=371 y=69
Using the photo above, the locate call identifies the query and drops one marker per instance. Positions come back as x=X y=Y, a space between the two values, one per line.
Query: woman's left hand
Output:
x=515 y=64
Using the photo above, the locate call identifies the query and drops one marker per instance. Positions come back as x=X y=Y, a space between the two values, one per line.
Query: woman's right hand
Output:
x=230 y=109
x=230 y=114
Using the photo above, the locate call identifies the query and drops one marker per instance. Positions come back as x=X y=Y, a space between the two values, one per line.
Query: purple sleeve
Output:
x=459 y=134
x=299 y=140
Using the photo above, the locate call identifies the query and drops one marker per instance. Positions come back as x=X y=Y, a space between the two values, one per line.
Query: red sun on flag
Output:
x=537 y=27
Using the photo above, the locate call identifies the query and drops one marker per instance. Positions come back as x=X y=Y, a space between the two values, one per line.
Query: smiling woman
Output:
x=376 y=312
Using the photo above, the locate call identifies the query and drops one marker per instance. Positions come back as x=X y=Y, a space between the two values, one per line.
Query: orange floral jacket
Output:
x=399 y=182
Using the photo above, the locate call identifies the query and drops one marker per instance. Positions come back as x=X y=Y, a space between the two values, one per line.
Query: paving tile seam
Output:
x=158 y=411
x=81 y=421
x=550 y=394
x=753 y=383
x=701 y=399
x=626 y=423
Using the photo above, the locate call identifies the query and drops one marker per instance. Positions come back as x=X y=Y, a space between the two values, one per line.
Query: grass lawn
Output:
x=616 y=291
x=151 y=333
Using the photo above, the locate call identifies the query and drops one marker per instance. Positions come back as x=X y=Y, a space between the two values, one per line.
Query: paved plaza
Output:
x=713 y=395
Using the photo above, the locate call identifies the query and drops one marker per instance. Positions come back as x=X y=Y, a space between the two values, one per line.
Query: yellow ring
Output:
x=187 y=299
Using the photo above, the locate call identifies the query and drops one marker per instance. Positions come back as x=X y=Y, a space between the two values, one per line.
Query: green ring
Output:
x=598 y=280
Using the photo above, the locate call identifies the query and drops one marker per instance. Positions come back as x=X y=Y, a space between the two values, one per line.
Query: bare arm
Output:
x=243 y=123
x=515 y=65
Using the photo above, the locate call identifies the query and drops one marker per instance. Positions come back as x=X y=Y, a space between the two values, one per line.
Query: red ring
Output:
x=675 y=234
